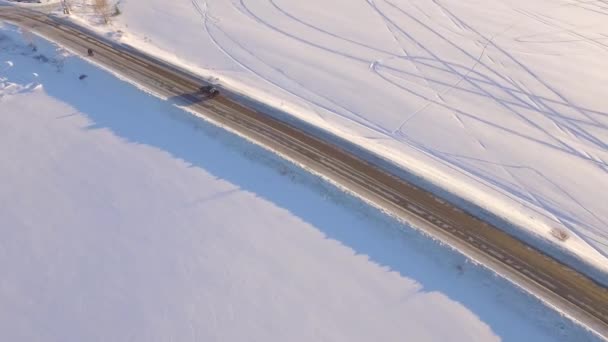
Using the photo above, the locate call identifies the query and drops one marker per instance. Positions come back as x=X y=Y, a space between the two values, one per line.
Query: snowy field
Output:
x=124 y=218
x=502 y=103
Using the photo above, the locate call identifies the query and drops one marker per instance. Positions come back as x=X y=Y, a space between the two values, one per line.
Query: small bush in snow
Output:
x=560 y=234
x=102 y=8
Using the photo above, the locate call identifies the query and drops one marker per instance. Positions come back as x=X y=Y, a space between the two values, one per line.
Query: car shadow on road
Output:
x=188 y=99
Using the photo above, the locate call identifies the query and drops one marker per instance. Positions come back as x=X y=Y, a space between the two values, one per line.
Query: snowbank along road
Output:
x=573 y=293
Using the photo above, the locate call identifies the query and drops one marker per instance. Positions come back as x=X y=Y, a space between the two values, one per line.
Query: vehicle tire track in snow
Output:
x=534 y=76
x=445 y=92
x=361 y=118
x=354 y=117
x=248 y=12
x=407 y=55
x=326 y=32
x=510 y=57
x=571 y=149
x=474 y=117
x=205 y=16
x=389 y=21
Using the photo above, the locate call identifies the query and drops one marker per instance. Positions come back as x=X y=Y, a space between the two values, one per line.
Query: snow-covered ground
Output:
x=124 y=218
x=502 y=103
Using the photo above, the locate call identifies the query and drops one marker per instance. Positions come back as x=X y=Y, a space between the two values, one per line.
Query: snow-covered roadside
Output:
x=518 y=129
x=123 y=219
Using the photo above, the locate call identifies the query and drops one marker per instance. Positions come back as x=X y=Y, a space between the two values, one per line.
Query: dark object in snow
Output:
x=209 y=90
x=82 y=77
x=41 y=58
x=90 y=52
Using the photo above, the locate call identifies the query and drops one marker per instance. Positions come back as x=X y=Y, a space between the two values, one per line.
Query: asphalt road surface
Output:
x=573 y=293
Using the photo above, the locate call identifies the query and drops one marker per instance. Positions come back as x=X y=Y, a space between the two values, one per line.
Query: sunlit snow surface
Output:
x=122 y=218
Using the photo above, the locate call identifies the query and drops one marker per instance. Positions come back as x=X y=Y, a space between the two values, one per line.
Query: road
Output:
x=562 y=287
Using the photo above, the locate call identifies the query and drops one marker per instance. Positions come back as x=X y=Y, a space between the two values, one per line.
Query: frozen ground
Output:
x=502 y=103
x=122 y=218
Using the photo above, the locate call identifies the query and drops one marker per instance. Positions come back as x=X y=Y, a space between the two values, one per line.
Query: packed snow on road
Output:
x=124 y=218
